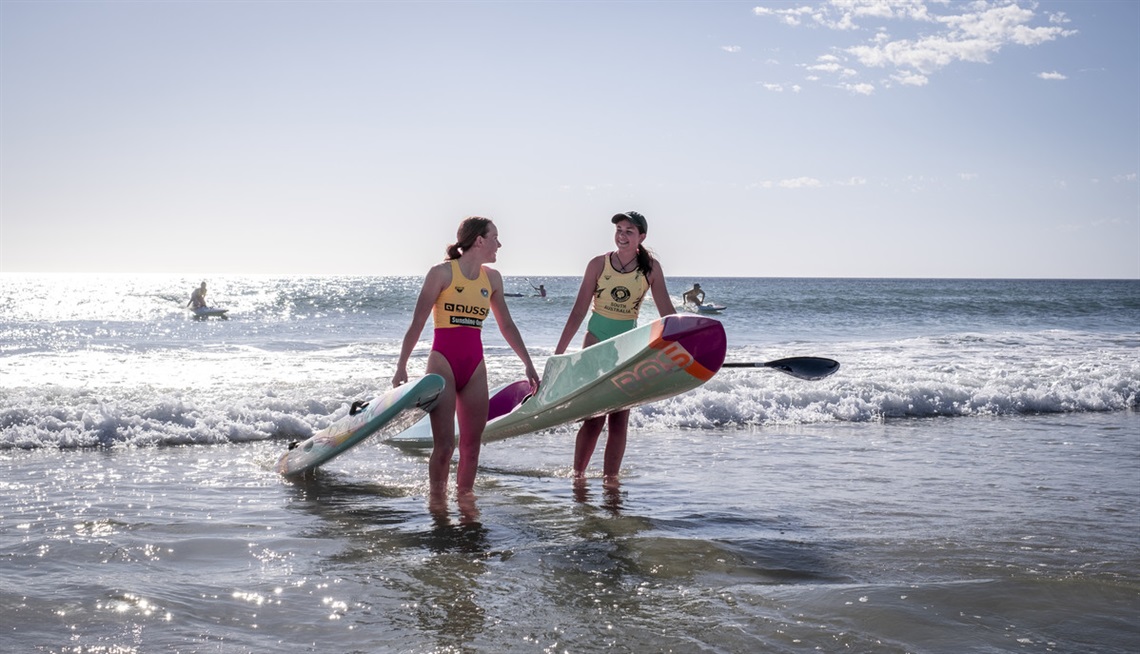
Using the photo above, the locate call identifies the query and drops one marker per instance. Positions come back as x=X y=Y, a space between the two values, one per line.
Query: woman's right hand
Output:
x=401 y=377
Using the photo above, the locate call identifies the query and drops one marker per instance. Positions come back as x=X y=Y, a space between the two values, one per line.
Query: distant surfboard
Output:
x=209 y=312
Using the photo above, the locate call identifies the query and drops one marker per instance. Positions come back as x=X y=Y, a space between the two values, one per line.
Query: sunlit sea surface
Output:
x=969 y=481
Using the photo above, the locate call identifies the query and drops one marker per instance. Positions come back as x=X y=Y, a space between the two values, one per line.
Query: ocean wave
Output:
x=144 y=417
x=80 y=418
x=77 y=370
x=722 y=403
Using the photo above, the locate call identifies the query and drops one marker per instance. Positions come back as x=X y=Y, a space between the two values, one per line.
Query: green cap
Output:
x=637 y=219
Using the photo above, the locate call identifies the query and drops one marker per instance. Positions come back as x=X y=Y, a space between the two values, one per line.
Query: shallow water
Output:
x=968 y=481
x=1005 y=534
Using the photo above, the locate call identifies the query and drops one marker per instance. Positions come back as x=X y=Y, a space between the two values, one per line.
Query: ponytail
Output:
x=470 y=229
x=644 y=260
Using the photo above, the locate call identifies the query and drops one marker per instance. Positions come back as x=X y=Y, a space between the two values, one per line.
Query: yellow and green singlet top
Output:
x=617 y=301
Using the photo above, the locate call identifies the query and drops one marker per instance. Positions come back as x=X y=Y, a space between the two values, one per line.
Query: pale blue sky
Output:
x=849 y=139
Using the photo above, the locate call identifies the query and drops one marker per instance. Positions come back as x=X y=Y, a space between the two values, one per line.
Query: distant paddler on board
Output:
x=694 y=296
x=198 y=305
x=198 y=298
x=694 y=300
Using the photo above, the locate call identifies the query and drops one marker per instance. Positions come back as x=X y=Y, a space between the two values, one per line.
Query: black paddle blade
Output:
x=810 y=368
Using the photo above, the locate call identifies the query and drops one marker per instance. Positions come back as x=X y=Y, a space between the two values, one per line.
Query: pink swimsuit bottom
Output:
x=463 y=349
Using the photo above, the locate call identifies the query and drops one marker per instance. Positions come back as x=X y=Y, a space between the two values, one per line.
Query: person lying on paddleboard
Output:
x=458 y=293
x=615 y=283
x=198 y=298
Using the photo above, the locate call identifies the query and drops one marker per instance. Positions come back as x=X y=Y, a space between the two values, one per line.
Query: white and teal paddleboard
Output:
x=389 y=413
x=209 y=312
x=667 y=357
x=709 y=307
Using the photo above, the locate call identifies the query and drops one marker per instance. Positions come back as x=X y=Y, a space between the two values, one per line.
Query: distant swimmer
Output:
x=198 y=298
x=541 y=288
x=694 y=295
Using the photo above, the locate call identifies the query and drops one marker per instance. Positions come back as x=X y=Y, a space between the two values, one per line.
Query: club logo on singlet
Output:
x=620 y=293
x=475 y=315
x=464 y=308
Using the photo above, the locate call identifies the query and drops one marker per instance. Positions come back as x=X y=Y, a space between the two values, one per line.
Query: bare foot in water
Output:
x=468 y=512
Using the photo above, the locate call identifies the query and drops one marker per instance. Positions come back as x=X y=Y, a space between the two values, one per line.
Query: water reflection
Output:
x=343 y=506
x=449 y=580
x=468 y=510
x=613 y=497
x=465 y=535
x=434 y=557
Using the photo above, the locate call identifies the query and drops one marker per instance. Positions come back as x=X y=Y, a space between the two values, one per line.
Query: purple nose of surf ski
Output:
x=703 y=338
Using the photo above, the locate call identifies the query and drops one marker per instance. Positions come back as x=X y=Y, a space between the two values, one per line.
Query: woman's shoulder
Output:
x=440 y=272
x=442 y=266
x=598 y=263
x=492 y=274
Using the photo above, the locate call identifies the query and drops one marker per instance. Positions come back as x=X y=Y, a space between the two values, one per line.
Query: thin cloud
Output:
x=809 y=182
x=1059 y=18
x=801 y=182
x=939 y=33
x=831 y=64
x=911 y=79
x=793 y=17
x=730 y=48
x=1052 y=76
x=862 y=88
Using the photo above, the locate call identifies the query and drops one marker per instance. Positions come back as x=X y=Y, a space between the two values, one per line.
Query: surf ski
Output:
x=389 y=413
x=661 y=359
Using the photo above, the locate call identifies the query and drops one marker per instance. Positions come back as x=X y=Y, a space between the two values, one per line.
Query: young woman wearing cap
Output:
x=613 y=286
x=459 y=293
